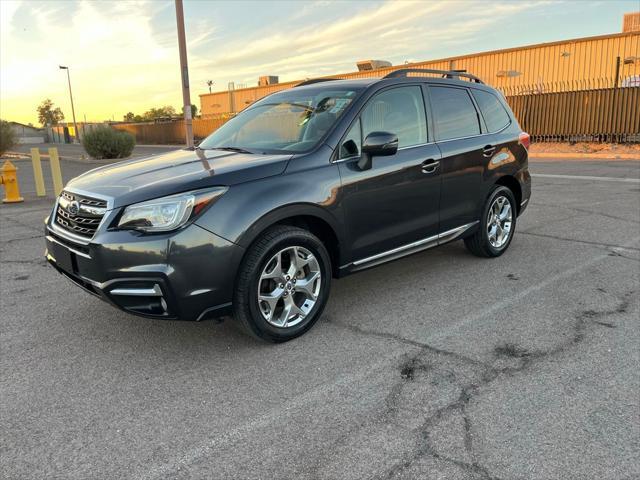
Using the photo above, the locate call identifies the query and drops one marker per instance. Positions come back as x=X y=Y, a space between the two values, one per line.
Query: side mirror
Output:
x=377 y=144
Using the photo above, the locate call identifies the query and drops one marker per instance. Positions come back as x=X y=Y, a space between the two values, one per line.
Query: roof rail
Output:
x=311 y=81
x=403 y=72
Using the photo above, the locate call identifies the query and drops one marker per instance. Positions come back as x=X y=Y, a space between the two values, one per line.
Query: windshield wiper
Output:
x=231 y=149
x=291 y=104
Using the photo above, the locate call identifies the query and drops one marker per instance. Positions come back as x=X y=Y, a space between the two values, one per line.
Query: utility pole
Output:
x=73 y=111
x=184 y=73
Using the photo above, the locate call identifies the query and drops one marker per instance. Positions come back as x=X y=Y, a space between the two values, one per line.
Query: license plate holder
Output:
x=63 y=257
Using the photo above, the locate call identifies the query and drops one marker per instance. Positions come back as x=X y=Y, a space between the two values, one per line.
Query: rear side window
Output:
x=454 y=113
x=494 y=114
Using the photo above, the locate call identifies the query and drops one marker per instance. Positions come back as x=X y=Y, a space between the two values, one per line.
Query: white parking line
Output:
x=585 y=177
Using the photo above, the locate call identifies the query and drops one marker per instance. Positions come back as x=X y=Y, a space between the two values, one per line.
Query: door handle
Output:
x=488 y=150
x=430 y=165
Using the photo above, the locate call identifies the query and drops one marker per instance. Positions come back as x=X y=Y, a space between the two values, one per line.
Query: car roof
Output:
x=359 y=83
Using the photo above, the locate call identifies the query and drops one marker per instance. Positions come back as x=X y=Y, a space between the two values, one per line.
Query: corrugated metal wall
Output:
x=582 y=64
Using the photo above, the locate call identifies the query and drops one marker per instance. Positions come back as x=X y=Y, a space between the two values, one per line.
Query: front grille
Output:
x=80 y=215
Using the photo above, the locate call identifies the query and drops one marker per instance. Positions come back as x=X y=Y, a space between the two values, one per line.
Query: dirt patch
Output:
x=611 y=148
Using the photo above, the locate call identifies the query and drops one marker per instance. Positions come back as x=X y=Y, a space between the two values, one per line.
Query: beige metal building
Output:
x=577 y=64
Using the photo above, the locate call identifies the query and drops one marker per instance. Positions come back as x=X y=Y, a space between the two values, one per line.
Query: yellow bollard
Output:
x=9 y=179
x=37 y=172
x=56 y=174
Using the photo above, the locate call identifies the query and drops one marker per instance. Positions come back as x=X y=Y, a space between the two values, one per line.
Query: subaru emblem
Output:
x=73 y=208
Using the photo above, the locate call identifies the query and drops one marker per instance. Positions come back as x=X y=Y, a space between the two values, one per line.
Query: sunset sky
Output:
x=123 y=55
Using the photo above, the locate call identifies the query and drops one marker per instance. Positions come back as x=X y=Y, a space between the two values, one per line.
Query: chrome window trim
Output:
x=474 y=136
x=407 y=147
x=423 y=244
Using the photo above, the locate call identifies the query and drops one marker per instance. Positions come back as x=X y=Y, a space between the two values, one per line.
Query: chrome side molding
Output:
x=413 y=247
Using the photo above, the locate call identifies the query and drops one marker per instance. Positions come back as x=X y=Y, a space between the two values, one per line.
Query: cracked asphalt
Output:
x=436 y=366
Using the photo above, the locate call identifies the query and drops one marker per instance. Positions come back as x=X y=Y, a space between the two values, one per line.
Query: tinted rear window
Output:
x=454 y=113
x=495 y=116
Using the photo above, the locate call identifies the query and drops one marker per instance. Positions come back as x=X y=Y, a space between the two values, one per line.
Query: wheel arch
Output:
x=512 y=184
x=310 y=217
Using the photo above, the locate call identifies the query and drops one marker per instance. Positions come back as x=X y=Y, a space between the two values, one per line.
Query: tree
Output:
x=129 y=117
x=47 y=114
x=163 y=112
x=194 y=110
x=7 y=136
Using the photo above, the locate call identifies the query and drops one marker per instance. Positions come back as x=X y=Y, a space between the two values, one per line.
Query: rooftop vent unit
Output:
x=368 y=65
x=267 y=80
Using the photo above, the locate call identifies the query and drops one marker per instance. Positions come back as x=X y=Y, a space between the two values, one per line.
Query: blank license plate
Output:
x=63 y=257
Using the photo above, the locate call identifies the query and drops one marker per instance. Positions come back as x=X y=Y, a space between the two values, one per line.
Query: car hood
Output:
x=142 y=179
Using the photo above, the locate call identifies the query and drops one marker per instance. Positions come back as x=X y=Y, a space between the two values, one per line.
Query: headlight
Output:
x=167 y=213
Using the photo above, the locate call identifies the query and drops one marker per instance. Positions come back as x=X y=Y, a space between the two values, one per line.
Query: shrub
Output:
x=7 y=136
x=105 y=142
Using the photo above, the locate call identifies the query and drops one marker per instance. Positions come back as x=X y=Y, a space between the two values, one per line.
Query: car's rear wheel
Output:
x=497 y=224
x=283 y=284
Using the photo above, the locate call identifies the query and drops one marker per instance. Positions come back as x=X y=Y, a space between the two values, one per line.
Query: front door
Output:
x=395 y=202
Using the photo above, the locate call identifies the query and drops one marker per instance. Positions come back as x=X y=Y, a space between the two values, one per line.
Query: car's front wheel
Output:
x=497 y=224
x=283 y=284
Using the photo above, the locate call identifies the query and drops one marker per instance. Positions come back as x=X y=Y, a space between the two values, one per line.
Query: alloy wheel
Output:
x=499 y=222
x=289 y=287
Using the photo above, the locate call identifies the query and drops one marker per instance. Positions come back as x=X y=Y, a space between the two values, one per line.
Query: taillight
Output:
x=524 y=139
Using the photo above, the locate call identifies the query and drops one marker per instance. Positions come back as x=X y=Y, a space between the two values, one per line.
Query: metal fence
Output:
x=577 y=114
x=171 y=132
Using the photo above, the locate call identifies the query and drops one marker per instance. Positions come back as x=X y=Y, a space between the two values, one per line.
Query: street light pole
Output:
x=73 y=111
x=184 y=73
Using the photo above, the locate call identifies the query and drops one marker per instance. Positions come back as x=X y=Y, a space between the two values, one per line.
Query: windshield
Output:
x=293 y=121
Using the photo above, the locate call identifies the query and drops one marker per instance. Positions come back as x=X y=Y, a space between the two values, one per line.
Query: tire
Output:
x=265 y=274
x=483 y=243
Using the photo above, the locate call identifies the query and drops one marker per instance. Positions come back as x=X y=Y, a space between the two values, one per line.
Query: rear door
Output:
x=395 y=202
x=460 y=136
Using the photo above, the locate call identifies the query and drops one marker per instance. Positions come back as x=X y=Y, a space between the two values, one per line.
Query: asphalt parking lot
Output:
x=436 y=366
x=74 y=151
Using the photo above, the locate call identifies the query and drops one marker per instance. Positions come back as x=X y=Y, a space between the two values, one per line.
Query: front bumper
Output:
x=186 y=275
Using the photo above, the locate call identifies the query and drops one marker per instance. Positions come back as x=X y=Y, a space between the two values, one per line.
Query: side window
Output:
x=400 y=111
x=454 y=113
x=351 y=144
x=494 y=114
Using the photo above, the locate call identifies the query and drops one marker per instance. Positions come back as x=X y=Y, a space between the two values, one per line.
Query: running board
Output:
x=410 y=248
